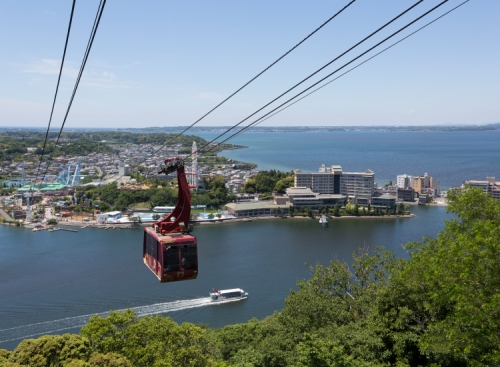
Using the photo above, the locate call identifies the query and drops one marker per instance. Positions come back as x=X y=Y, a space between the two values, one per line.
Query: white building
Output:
x=123 y=169
x=404 y=181
x=358 y=186
x=109 y=217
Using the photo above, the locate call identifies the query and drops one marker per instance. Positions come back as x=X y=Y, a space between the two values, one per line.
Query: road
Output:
x=99 y=170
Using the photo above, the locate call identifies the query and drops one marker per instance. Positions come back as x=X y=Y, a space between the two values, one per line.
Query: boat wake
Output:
x=48 y=327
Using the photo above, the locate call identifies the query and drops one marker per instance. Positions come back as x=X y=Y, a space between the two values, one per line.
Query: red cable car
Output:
x=168 y=250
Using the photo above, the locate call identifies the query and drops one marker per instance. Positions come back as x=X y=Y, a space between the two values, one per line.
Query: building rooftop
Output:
x=385 y=196
x=252 y=206
x=299 y=191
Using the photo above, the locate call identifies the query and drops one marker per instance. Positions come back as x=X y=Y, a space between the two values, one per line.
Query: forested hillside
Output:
x=13 y=144
x=438 y=307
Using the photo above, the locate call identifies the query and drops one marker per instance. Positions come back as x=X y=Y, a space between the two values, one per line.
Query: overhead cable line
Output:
x=321 y=80
x=310 y=76
x=259 y=74
x=357 y=66
x=93 y=32
x=57 y=88
x=323 y=67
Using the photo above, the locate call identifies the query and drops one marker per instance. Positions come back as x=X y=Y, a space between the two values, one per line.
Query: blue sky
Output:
x=166 y=63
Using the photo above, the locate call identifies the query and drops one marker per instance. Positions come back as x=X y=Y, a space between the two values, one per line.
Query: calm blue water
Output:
x=451 y=157
x=51 y=282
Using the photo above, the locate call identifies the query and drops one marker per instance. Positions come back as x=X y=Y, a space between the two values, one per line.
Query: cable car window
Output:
x=171 y=258
x=188 y=256
x=151 y=246
x=158 y=251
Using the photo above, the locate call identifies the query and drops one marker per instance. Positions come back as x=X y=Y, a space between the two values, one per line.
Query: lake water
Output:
x=50 y=282
x=451 y=157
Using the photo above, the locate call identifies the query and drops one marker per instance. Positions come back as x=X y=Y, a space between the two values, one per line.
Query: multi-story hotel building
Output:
x=357 y=186
x=325 y=181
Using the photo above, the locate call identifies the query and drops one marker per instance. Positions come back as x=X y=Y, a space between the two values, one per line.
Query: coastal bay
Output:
x=48 y=277
x=52 y=282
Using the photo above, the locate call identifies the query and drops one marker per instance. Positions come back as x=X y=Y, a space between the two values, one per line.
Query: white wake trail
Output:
x=41 y=328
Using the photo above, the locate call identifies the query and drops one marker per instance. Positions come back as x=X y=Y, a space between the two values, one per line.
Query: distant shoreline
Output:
x=280 y=129
x=112 y=226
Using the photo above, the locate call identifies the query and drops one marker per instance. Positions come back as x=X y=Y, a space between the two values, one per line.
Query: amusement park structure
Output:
x=70 y=176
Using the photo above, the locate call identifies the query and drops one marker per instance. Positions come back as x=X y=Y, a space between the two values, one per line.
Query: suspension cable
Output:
x=303 y=80
x=57 y=88
x=321 y=80
x=97 y=20
x=251 y=80
x=355 y=67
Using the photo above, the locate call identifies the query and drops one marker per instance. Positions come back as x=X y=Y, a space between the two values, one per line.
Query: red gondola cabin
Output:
x=171 y=256
x=168 y=250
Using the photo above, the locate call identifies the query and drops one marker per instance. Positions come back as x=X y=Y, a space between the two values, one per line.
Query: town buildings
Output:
x=420 y=185
x=489 y=186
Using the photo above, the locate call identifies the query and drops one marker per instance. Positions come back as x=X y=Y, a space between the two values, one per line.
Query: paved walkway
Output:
x=5 y=215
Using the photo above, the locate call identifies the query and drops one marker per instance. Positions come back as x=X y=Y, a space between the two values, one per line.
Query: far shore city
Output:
x=69 y=187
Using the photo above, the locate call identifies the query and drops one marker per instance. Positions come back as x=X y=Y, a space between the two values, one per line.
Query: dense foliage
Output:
x=13 y=144
x=438 y=307
x=110 y=196
x=269 y=181
x=14 y=147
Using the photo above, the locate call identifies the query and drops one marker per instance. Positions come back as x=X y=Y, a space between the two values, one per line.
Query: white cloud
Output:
x=92 y=77
x=51 y=67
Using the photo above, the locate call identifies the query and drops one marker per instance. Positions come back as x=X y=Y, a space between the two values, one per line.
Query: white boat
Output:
x=234 y=294
x=323 y=221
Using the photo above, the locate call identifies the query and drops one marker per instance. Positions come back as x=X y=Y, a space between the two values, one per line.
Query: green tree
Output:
x=356 y=209
x=109 y=193
x=50 y=350
x=284 y=184
x=443 y=305
x=216 y=182
x=348 y=207
x=108 y=360
x=250 y=186
x=336 y=210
